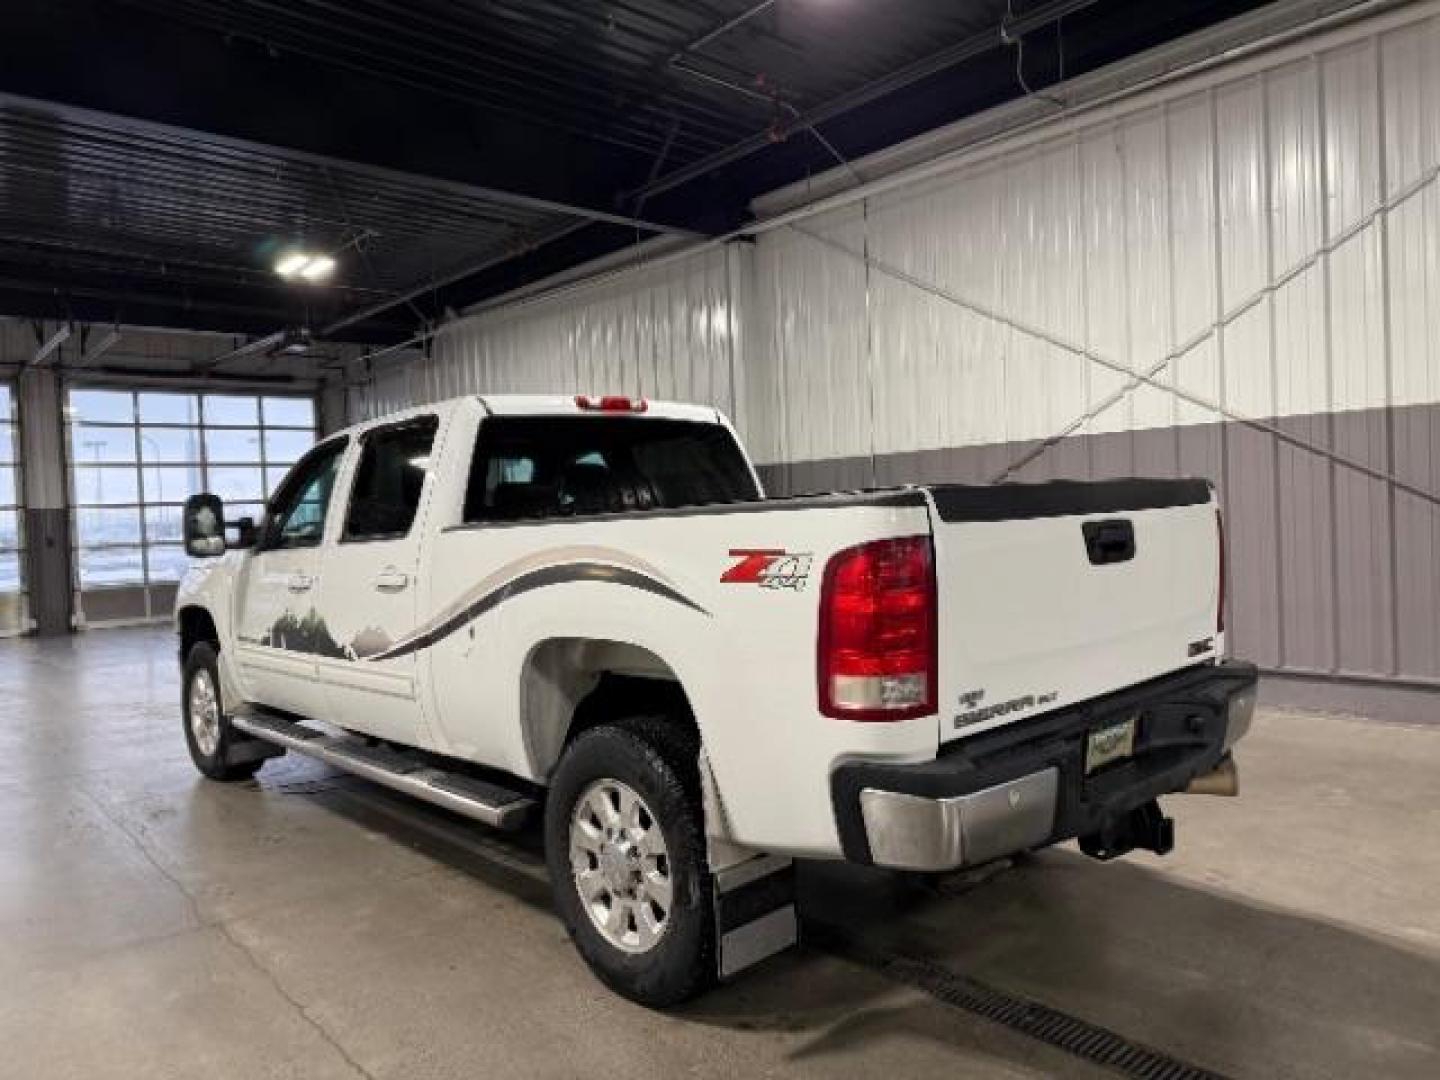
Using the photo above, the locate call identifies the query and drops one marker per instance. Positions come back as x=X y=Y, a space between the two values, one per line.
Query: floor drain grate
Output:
x=1068 y=1033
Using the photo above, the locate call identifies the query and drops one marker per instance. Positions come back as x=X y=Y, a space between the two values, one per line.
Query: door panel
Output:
x=371 y=584
x=279 y=632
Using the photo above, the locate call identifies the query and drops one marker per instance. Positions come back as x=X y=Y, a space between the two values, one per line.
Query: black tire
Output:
x=229 y=760
x=657 y=758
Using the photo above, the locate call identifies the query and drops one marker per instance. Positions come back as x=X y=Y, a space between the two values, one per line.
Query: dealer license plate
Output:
x=1114 y=742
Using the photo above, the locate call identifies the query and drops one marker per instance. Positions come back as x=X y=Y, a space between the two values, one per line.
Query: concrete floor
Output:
x=311 y=925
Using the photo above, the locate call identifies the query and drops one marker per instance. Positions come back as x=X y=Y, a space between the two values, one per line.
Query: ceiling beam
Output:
x=122 y=58
x=92 y=350
x=49 y=346
x=113 y=123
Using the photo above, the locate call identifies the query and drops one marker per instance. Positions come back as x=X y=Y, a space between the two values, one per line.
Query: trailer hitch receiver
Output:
x=1145 y=828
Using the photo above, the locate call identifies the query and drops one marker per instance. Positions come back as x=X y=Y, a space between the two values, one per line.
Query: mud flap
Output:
x=754 y=907
x=754 y=892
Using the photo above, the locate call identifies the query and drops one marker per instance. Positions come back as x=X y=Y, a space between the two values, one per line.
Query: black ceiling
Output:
x=155 y=155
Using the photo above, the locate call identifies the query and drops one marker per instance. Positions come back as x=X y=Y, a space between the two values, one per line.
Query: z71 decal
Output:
x=770 y=568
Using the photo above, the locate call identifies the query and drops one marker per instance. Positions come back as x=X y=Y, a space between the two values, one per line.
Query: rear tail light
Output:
x=1220 y=584
x=877 y=651
x=611 y=403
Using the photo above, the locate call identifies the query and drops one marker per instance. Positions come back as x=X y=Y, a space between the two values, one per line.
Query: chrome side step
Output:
x=490 y=803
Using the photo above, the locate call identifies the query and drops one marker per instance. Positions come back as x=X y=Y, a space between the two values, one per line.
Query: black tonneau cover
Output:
x=1061 y=498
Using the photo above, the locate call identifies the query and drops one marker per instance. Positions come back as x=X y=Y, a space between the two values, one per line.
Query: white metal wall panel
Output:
x=667 y=333
x=891 y=338
x=811 y=311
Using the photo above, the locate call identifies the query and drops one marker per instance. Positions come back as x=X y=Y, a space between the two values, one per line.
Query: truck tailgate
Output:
x=1054 y=593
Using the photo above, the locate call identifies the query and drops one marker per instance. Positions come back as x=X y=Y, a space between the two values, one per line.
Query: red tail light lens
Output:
x=611 y=403
x=1220 y=586
x=877 y=651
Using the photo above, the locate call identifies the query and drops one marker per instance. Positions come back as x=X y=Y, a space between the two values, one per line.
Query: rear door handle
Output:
x=300 y=582
x=390 y=580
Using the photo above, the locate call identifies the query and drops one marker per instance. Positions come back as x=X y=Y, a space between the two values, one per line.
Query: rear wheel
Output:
x=213 y=742
x=626 y=849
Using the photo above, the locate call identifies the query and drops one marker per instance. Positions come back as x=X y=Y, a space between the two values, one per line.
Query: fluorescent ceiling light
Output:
x=305 y=265
x=287 y=266
x=319 y=268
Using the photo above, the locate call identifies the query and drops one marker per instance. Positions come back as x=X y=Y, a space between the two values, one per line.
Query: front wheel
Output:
x=626 y=851
x=213 y=742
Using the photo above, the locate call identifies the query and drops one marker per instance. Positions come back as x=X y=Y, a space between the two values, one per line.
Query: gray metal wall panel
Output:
x=1363 y=535
x=1417 y=542
x=1304 y=595
x=1307 y=545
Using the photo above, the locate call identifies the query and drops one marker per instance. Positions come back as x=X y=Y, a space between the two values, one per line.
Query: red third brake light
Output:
x=611 y=403
x=877 y=650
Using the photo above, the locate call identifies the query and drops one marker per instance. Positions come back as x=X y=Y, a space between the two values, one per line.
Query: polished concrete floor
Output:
x=153 y=924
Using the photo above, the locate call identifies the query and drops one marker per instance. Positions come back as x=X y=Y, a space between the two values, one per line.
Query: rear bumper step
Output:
x=480 y=800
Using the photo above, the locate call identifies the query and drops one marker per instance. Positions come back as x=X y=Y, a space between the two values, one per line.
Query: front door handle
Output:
x=300 y=582
x=390 y=580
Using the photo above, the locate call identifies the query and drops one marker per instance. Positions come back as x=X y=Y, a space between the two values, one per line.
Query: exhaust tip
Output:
x=1224 y=779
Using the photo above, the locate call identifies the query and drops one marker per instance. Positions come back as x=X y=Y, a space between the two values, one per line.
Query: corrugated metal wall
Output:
x=941 y=330
x=667 y=333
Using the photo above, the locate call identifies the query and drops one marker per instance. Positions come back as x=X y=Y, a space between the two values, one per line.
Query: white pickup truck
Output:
x=499 y=603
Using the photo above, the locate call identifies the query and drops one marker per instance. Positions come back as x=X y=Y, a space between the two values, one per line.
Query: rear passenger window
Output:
x=389 y=480
x=546 y=467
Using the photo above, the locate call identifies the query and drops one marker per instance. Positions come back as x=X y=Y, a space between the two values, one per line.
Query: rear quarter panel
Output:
x=743 y=649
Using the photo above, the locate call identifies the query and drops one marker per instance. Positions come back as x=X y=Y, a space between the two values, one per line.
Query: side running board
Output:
x=490 y=803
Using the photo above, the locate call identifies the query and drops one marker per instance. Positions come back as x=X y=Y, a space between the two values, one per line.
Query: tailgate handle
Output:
x=1109 y=541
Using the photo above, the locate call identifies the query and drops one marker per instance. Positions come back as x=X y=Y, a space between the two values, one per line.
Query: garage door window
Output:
x=12 y=583
x=137 y=455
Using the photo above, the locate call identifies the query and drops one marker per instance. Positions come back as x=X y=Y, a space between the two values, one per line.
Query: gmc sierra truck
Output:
x=588 y=605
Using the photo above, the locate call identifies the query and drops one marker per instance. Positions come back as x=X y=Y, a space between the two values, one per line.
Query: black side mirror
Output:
x=204 y=526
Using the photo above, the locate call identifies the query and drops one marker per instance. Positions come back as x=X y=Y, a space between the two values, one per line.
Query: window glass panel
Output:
x=117 y=484
x=7 y=486
x=286 y=447
x=289 y=412
x=164 y=523
x=232 y=410
x=99 y=526
x=274 y=478
x=300 y=515
x=111 y=566
x=91 y=445
x=9 y=572
x=169 y=444
x=5 y=402
x=526 y=468
x=108 y=406
x=243 y=484
x=161 y=408
x=167 y=562
x=389 y=480
x=172 y=483
x=232 y=446
x=9 y=529
x=7 y=442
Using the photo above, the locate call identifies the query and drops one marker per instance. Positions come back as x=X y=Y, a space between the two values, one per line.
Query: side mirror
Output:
x=204 y=526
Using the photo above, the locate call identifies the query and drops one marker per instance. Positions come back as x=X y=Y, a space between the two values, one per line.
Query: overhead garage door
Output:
x=137 y=455
x=13 y=615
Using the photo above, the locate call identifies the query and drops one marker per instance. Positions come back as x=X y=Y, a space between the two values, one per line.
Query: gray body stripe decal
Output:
x=537 y=579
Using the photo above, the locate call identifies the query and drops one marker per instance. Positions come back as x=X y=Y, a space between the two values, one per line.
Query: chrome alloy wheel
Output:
x=621 y=866
x=204 y=709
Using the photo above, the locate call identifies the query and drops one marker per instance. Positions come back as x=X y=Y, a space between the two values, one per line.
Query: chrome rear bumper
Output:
x=1024 y=786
